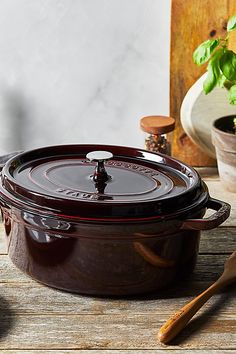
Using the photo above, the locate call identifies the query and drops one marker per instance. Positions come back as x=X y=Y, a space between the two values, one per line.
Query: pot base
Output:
x=102 y=267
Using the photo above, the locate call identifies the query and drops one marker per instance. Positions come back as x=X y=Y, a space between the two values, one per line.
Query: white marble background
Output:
x=81 y=71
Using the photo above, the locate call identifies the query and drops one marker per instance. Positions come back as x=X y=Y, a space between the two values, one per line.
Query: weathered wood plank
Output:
x=9 y=273
x=130 y=331
x=24 y=297
x=29 y=299
x=221 y=240
x=114 y=351
x=217 y=191
x=207 y=268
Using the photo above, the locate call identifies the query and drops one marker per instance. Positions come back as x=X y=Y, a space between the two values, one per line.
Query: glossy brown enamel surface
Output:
x=60 y=179
x=141 y=260
x=121 y=222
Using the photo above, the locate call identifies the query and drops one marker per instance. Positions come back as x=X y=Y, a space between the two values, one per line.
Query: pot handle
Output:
x=5 y=158
x=222 y=213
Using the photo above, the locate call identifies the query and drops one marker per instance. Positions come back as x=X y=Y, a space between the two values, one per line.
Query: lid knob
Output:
x=100 y=173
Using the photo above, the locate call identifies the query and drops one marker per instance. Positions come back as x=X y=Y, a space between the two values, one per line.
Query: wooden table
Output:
x=37 y=319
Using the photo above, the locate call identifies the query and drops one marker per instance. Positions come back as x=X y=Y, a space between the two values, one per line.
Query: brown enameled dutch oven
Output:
x=104 y=220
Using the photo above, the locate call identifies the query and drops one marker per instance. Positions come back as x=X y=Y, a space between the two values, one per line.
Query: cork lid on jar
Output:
x=157 y=124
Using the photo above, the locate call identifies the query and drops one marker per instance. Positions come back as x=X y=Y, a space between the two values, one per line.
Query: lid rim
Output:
x=52 y=214
x=141 y=157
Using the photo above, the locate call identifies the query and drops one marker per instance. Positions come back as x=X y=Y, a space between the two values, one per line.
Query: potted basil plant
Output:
x=221 y=71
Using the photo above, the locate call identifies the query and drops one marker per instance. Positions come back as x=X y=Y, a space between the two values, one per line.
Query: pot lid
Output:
x=94 y=181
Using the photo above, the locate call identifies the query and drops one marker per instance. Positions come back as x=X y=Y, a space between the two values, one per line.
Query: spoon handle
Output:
x=180 y=319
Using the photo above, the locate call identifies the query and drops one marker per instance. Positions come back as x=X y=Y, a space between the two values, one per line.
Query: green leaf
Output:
x=204 y=51
x=232 y=95
x=228 y=65
x=214 y=72
x=231 y=25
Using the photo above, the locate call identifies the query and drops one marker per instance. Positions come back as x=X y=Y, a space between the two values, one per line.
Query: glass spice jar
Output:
x=157 y=127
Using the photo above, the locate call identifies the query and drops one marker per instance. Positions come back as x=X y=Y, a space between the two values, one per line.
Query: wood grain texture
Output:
x=9 y=273
x=26 y=296
x=217 y=191
x=221 y=240
x=26 y=299
x=108 y=351
x=128 y=331
x=177 y=322
x=190 y=25
x=114 y=351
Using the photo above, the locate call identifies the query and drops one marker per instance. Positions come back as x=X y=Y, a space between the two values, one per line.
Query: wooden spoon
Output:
x=180 y=319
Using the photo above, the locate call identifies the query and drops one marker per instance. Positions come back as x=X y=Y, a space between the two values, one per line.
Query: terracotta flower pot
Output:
x=224 y=141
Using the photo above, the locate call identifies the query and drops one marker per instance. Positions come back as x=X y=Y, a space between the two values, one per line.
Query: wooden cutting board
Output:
x=191 y=23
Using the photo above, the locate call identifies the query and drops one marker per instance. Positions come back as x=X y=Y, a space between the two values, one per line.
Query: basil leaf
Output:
x=228 y=65
x=214 y=72
x=232 y=95
x=231 y=25
x=204 y=51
